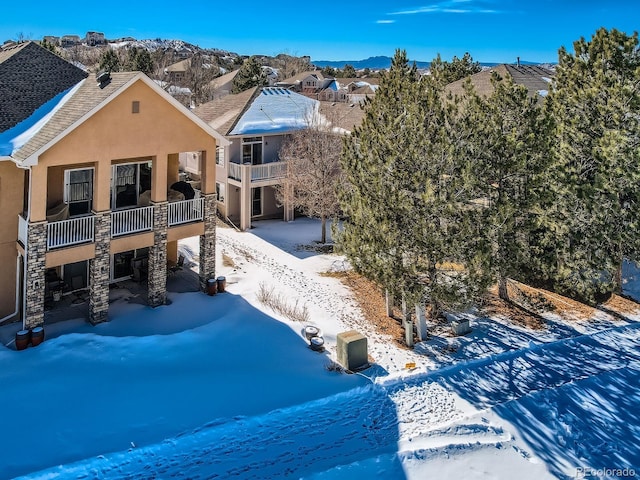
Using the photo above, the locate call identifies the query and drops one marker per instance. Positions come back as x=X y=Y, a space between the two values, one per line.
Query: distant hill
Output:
x=381 y=62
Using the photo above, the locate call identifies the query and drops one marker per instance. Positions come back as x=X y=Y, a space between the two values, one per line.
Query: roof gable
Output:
x=30 y=76
x=89 y=98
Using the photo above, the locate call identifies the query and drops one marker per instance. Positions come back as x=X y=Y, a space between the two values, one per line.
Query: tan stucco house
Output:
x=86 y=169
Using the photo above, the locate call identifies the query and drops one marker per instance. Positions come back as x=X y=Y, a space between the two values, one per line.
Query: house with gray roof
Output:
x=537 y=80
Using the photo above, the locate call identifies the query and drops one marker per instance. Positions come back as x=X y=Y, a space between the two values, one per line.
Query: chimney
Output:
x=103 y=79
x=518 y=61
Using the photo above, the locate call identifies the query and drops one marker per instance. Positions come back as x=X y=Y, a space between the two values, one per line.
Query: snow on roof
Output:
x=276 y=110
x=13 y=139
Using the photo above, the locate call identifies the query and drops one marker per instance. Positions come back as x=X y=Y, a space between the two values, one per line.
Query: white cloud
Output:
x=450 y=6
x=385 y=21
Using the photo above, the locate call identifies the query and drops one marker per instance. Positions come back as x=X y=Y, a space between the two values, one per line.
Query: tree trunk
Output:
x=617 y=277
x=503 y=292
x=323 y=220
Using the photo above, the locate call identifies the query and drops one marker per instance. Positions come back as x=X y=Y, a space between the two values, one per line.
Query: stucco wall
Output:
x=113 y=133
x=11 y=199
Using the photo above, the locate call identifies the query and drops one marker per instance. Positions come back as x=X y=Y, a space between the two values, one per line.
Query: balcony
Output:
x=70 y=232
x=133 y=220
x=268 y=171
x=186 y=211
x=265 y=171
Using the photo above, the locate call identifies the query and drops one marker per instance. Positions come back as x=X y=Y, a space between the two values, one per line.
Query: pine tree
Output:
x=508 y=144
x=404 y=226
x=250 y=75
x=595 y=177
x=109 y=61
x=348 y=71
x=459 y=68
x=139 y=60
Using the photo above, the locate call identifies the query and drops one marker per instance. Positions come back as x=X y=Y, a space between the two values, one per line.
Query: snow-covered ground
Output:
x=223 y=387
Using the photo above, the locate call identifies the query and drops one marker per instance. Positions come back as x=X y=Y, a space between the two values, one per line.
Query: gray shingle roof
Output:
x=88 y=96
x=223 y=113
x=30 y=76
x=533 y=78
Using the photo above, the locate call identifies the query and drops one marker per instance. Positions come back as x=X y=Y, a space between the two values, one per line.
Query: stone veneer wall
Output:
x=36 y=251
x=208 y=241
x=157 y=281
x=99 y=270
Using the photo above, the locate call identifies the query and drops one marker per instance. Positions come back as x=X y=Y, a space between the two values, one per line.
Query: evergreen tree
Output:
x=139 y=59
x=329 y=71
x=459 y=68
x=595 y=179
x=250 y=75
x=508 y=143
x=109 y=61
x=348 y=71
x=404 y=227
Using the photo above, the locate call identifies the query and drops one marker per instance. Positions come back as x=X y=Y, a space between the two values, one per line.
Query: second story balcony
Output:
x=257 y=173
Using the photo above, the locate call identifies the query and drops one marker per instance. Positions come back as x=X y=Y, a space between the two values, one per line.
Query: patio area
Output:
x=73 y=308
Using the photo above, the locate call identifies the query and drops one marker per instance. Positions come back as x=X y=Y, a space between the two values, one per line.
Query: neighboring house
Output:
x=86 y=170
x=536 y=79
x=177 y=72
x=51 y=40
x=327 y=89
x=307 y=83
x=255 y=122
x=222 y=85
x=95 y=38
x=70 y=40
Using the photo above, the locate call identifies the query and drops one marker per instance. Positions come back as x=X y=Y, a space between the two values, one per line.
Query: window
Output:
x=220 y=191
x=256 y=201
x=78 y=191
x=220 y=156
x=252 y=150
x=128 y=181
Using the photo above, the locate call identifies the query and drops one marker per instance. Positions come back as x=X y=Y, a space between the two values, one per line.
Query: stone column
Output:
x=99 y=270
x=36 y=251
x=157 y=282
x=208 y=241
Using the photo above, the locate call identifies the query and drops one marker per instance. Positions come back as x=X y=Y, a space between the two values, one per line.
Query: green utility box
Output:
x=352 y=350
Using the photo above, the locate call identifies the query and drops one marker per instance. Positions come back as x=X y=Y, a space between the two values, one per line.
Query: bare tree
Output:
x=313 y=174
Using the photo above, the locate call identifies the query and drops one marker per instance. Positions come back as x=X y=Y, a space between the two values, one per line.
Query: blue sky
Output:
x=491 y=30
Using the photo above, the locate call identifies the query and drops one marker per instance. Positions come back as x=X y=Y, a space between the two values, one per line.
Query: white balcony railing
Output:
x=133 y=220
x=235 y=171
x=265 y=171
x=268 y=171
x=70 y=232
x=22 y=230
x=186 y=211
